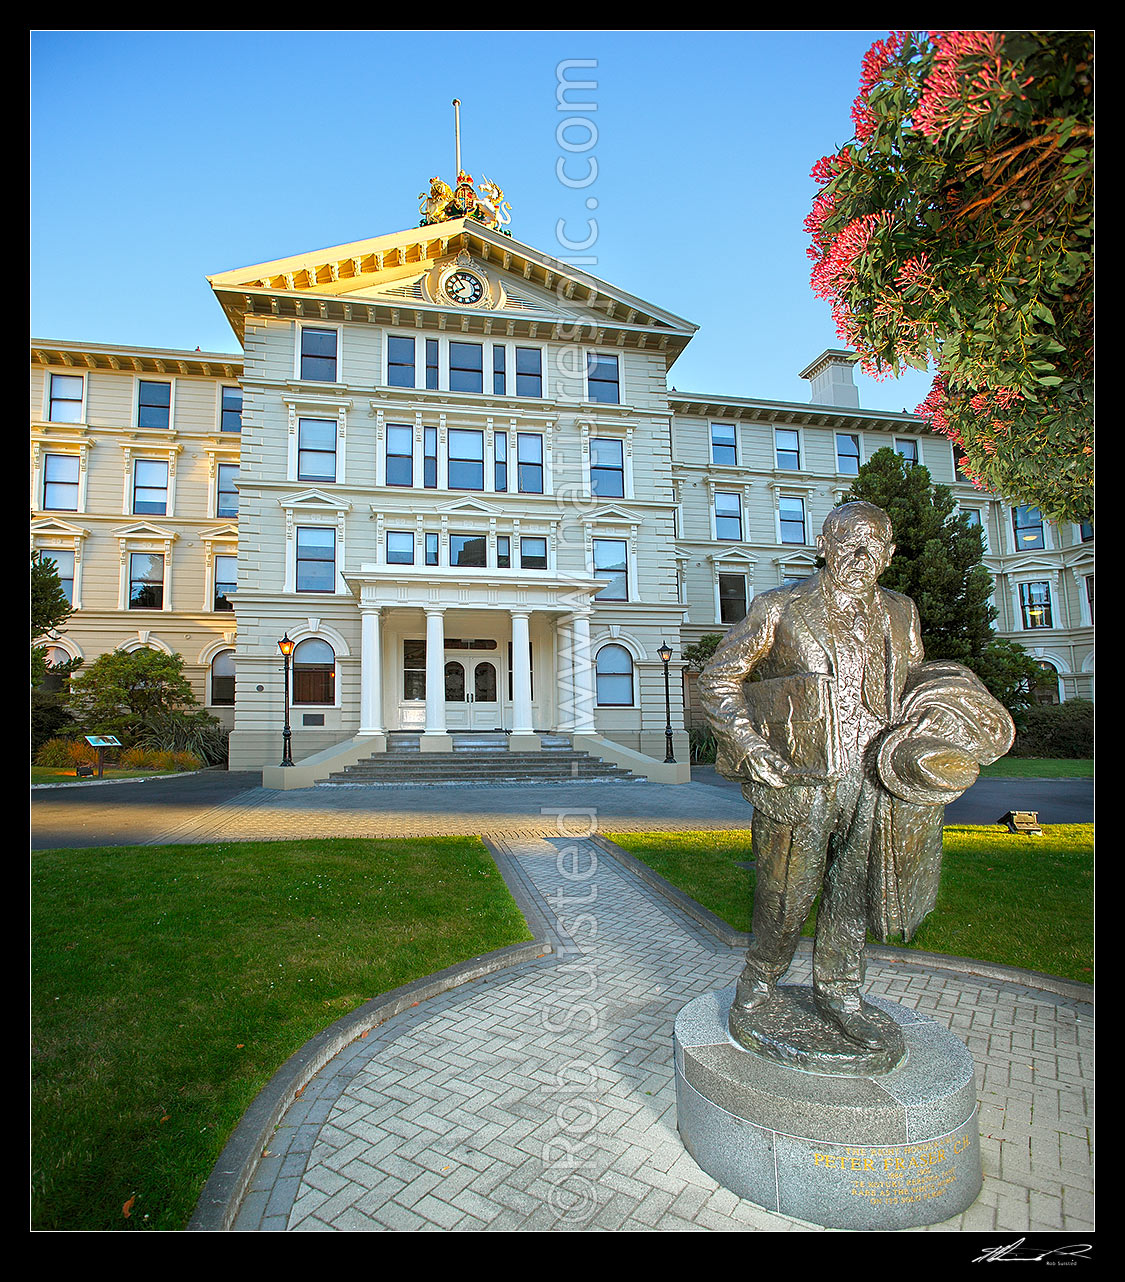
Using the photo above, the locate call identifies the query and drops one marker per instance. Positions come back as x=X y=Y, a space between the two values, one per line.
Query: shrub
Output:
x=65 y=754
x=1056 y=730
x=199 y=734
x=703 y=744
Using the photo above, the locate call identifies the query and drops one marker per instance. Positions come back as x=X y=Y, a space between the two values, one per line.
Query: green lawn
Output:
x=49 y=774
x=1004 y=897
x=1039 y=768
x=170 y=982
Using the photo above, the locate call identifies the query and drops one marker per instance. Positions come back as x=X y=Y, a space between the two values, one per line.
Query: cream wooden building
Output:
x=449 y=467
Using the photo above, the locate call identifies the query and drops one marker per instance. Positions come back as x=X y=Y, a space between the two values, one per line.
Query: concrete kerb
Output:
x=228 y=1183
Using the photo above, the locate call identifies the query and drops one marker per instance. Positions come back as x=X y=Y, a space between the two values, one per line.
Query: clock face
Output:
x=464 y=287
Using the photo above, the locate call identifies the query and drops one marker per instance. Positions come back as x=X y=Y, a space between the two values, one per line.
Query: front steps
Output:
x=478 y=759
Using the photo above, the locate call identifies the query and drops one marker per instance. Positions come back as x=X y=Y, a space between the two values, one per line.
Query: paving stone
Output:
x=542 y=1098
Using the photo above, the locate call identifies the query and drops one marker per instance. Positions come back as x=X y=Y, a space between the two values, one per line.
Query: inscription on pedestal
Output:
x=898 y=1175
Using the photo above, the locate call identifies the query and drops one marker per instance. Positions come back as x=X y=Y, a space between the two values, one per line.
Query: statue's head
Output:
x=857 y=543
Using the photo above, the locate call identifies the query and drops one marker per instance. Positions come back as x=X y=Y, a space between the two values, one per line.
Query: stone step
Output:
x=405 y=765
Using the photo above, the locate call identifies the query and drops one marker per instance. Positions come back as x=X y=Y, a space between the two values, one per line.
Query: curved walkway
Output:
x=542 y=1097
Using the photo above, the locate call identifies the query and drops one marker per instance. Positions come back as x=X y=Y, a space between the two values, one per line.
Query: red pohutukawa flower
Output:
x=875 y=63
x=969 y=77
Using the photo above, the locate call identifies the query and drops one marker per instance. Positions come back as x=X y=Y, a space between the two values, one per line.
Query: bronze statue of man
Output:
x=847 y=746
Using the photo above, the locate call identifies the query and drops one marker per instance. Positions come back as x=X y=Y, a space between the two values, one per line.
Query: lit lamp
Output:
x=665 y=653
x=286 y=648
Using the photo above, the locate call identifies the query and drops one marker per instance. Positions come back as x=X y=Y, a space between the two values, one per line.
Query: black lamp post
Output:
x=665 y=653
x=286 y=648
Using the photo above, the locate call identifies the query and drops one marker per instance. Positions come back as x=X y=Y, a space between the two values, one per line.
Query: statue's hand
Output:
x=764 y=765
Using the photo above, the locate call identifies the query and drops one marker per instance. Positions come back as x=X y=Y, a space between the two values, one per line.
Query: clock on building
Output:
x=464 y=287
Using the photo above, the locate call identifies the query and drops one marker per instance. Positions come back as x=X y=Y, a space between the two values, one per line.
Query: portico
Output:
x=477 y=651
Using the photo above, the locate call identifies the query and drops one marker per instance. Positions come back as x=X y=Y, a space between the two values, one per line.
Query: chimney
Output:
x=831 y=378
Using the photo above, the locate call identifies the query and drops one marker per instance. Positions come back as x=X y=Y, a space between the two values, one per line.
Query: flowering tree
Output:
x=955 y=230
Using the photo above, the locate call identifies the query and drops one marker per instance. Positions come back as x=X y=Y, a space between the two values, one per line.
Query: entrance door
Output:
x=472 y=694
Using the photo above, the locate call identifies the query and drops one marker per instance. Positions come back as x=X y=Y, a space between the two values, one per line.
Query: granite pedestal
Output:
x=893 y=1150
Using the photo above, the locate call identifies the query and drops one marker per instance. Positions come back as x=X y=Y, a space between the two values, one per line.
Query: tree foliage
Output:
x=938 y=562
x=50 y=609
x=119 y=690
x=955 y=228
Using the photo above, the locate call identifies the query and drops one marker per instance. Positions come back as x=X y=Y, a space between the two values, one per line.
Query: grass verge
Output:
x=48 y=774
x=170 y=982
x=1039 y=768
x=1007 y=898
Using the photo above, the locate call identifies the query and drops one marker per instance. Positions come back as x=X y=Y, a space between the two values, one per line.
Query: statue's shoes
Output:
x=750 y=994
x=852 y=1022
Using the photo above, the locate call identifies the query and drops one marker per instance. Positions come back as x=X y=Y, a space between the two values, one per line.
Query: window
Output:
x=230 y=414
x=533 y=553
x=64 y=568
x=316 y=559
x=150 y=487
x=65 y=398
x=154 y=404
x=908 y=450
x=226 y=501
x=614 y=677
x=400 y=361
x=400 y=455
x=1086 y=531
x=469 y=550
x=847 y=454
x=1027 y=525
x=314 y=672
x=611 y=563
x=529 y=462
x=146 y=581
x=429 y=457
x=400 y=547
x=607 y=467
x=222 y=679
x=316 y=449
x=466 y=459
x=60 y=482
x=1047 y=686
x=466 y=367
x=728 y=515
x=414 y=671
x=226 y=581
x=788 y=446
x=431 y=549
x=1089 y=595
x=1035 y=605
x=791 y=516
x=499 y=371
x=503 y=552
x=602 y=379
x=732 y=597
x=500 y=468
x=318 y=355
x=529 y=371
x=724 y=444
x=960 y=470
x=431 y=364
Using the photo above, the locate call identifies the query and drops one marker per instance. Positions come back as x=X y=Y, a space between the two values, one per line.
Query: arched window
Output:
x=222 y=679
x=54 y=658
x=614 y=667
x=1047 y=687
x=314 y=672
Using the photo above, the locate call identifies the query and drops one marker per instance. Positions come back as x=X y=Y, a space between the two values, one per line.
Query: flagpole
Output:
x=457 y=136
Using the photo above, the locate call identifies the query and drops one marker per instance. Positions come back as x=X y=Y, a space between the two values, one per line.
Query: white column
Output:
x=521 y=675
x=435 y=671
x=583 y=675
x=371 y=672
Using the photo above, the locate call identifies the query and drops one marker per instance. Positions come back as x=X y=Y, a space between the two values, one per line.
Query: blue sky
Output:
x=159 y=158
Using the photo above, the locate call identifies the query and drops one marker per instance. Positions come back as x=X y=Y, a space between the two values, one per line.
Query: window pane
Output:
x=614 y=668
x=154 y=404
x=724 y=446
x=150 y=487
x=64 y=568
x=429 y=457
x=431 y=363
x=466 y=460
x=533 y=553
x=529 y=457
x=1028 y=525
x=1035 y=603
x=500 y=452
x=60 y=482
x=400 y=547
x=499 y=372
x=788 y=449
x=908 y=450
x=146 y=581
x=847 y=454
x=231 y=416
x=226 y=581
x=602 y=379
x=732 y=597
x=468 y=550
x=611 y=564
x=607 y=467
x=316 y=560
x=792 y=513
x=400 y=455
x=316 y=449
x=318 y=355
x=400 y=362
x=431 y=549
x=66 y=398
x=529 y=371
x=227 y=504
x=728 y=516
x=466 y=367
x=222 y=679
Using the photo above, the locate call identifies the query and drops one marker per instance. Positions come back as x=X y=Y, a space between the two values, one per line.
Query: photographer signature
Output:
x=1012 y=1252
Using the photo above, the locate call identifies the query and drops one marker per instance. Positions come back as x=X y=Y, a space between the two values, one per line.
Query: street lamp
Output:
x=665 y=653
x=286 y=648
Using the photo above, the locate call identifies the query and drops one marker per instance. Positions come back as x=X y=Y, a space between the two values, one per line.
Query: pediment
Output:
x=471 y=507
x=53 y=527
x=612 y=514
x=733 y=554
x=220 y=532
x=314 y=499
x=366 y=279
x=145 y=530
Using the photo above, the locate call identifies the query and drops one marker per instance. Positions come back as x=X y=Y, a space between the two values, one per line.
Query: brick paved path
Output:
x=542 y=1098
